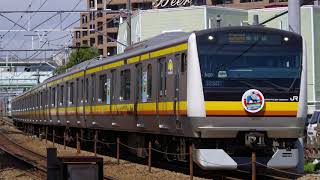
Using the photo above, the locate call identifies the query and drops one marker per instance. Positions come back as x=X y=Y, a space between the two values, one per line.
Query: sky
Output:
x=22 y=40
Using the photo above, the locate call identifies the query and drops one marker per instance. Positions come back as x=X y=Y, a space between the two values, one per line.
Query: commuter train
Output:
x=227 y=91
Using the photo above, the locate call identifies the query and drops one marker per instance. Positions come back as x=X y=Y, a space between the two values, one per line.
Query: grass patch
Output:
x=309 y=168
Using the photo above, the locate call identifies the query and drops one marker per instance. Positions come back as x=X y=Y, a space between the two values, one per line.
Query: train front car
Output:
x=251 y=96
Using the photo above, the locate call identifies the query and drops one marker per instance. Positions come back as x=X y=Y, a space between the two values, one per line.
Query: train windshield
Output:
x=232 y=63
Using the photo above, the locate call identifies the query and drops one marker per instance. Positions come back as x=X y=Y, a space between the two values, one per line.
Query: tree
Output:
x=79 y=55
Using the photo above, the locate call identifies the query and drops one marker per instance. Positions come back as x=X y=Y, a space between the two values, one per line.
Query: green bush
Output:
x=309 y=168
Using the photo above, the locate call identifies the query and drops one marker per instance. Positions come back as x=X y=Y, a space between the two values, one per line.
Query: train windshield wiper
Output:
x=237 y=57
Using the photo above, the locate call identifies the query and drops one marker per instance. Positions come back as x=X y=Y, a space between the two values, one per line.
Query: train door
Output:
x=86 y=101
x=76 y=101
x=162 y=93
x=176 y=99
x=138 y=92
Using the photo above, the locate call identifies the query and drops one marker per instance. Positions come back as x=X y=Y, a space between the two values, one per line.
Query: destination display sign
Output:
x=249 y=38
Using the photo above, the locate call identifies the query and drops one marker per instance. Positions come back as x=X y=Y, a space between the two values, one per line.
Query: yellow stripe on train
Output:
x=235 y=108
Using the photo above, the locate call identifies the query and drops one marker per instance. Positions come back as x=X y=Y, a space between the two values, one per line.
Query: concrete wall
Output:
x=264 y=14
x=155 y=22
x=186 y=19
x=229 y=17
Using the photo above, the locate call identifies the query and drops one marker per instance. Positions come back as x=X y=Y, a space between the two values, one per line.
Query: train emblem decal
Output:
x=253 y=101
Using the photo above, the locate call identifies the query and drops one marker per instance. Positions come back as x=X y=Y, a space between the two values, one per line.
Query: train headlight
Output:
x=210 y=38
x=286 y=39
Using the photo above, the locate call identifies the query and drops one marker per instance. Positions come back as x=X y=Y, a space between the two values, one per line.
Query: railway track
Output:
x=14 y=149
x=18 y=151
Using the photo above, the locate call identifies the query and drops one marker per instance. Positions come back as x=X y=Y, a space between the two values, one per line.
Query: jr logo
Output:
x=294 y=98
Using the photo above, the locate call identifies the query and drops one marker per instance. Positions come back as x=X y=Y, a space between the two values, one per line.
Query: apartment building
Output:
x=100 y=29
x=251 y=4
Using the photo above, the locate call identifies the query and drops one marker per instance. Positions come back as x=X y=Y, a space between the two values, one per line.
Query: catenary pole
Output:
x=294 y=19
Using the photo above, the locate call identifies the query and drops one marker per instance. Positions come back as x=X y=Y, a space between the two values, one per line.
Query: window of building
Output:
x=222 y=2
x=102 y=88
x=100 y=51
x=125 y=78
x=84 y=33
x=92 y=4
x=78 y=44
x=246 y=1
x=111 y=23
x=199 y=2
x=112 y=37
x=116 y=6
x=85 y=42
x=92 y=41
x=111 y=51
x=142 y=6
x=92 y=28
x=78 y=35
x=92 y=16
x=149 y=82
x=100 y=26
x=100 y=39
x=84 y=19
x=99 y=1
x=99 y=13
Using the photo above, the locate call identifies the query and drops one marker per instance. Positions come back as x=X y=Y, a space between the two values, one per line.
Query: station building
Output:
x=149 y=23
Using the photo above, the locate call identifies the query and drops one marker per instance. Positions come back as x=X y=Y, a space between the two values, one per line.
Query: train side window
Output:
x=125 y=78
x=93 y=88
x=70 y=93
x=102 y=88
x=87 y=90
x=67 y=94
x=183 y=62
x=61 y=95
x=81 y=98
x=162 y=75
x=53 y=95
x=40 y=99
x=113 y=84
x=149 y=81
x=76 y=96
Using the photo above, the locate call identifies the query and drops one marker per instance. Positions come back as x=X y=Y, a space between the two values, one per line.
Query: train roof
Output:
x=158 y=42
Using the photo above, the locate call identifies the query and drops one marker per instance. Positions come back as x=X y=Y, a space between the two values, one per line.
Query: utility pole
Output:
x=294 y=19
x=128 y=23
x=64 y=61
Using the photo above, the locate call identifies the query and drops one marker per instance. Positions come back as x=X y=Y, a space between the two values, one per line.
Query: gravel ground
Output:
x=310 y=177
x=11 y=168
x=125 y=171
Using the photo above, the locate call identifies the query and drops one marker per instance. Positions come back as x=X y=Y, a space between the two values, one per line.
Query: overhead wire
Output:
x=37 y=53
x=28 y=6
x=27 y=22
